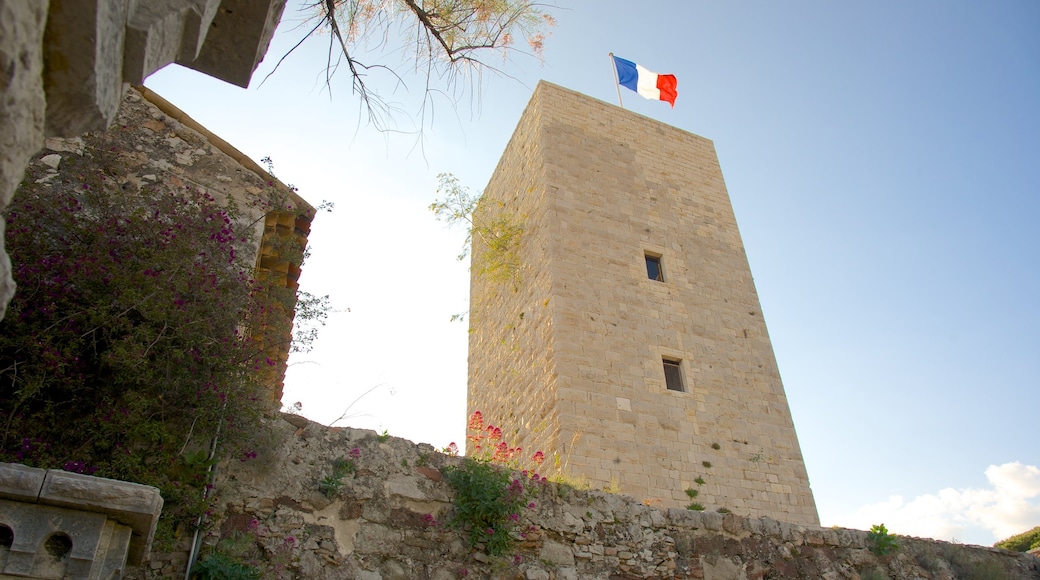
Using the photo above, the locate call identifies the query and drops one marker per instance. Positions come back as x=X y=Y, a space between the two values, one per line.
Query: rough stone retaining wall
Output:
x=386 y=522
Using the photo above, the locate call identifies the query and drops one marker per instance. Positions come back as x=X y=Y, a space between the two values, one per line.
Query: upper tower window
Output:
x=653 y=267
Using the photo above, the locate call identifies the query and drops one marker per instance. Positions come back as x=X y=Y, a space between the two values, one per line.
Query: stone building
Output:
x=629 y=346
x=161 y=147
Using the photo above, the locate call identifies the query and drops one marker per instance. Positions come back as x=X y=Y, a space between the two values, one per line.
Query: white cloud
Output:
x=982 y=516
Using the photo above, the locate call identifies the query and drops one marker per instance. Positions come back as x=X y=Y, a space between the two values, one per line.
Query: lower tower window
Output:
x=673 y=375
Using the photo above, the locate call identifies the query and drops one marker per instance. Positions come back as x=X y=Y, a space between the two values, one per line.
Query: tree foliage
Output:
x=450 y=43
x=1021 y=542
x=138 y=333
x=497 y=230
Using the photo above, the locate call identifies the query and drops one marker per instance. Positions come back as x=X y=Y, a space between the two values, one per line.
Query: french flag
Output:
x=649 y=84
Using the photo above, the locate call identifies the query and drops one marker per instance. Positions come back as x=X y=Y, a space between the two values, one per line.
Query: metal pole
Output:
x=617 y=81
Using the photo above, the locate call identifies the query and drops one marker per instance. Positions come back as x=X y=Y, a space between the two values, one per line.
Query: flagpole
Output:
x=617 y=81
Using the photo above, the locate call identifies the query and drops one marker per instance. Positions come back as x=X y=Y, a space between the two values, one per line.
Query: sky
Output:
x=882 y=159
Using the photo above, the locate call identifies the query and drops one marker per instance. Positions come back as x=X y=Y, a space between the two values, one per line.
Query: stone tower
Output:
x=629 y=346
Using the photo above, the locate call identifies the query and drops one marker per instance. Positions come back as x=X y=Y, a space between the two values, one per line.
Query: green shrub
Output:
x=489 y=496
x=1021 y=542
x=880 y=541
x=219 y=566
x=341 y=467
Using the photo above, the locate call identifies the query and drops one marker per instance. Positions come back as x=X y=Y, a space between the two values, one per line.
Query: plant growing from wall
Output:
x=341 y=468
x=487 y=222
x=489 y=495
x=880 y=541
x=138 y=334
x=219 y=566
x=692 y=494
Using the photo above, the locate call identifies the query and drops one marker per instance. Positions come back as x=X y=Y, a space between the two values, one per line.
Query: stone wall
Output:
x=64 y=65
x=390 y=519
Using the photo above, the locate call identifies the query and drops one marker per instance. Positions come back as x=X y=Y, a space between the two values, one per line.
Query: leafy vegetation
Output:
x=138 y=344
x=1021 y=542
x=489 y=496
x=341 y=467
x=497 y=230
x=880 y=541
x=219 y=566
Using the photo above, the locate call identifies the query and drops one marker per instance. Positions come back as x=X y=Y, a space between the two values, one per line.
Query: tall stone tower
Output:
x=629 y=346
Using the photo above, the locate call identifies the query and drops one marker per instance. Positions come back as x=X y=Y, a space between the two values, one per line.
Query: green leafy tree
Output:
x=496 y=229
x=880 y=541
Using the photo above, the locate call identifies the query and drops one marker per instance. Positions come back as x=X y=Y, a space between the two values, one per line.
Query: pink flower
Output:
x=476 y=421
x=491 y=531
x=355 y=453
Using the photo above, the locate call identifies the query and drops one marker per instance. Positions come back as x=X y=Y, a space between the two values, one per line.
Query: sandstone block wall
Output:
x=570 y=361
x=269 y=513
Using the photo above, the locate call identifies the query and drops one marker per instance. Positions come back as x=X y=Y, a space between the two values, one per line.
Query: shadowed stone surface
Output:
x=65 y=64
x=106 y=523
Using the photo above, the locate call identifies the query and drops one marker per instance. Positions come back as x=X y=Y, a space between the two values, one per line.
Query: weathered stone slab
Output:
x=33 y=524
x=20 y=482
x=196 y=26
x=84 y=53
x=237 y=39
x=22 y=107
x=153 y=37
x=137 y=506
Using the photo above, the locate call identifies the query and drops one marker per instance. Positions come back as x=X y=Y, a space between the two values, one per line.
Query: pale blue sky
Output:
x=882 y=160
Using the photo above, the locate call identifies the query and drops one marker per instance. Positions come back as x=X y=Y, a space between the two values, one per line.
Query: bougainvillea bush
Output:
x=133 y=341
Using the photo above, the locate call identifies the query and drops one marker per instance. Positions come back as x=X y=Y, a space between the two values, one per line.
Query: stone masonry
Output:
x=570 y=360
x=155 y=145
x=391 y=520
x=64 y=65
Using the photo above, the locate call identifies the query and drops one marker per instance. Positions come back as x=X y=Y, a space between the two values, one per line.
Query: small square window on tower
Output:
x=653 y=267
x=673 y=375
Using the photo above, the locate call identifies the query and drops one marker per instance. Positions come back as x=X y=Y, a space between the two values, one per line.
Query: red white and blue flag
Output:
x=649 y=84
